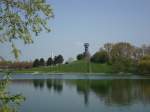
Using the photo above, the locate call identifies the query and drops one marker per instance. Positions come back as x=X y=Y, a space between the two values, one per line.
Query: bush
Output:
x=144 y=65
x=100 y=57
x=123 y=65
x=15 y=65
x=80 y=56
x=21 y=65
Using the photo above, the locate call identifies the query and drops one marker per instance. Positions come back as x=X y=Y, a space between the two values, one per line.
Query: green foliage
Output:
x=15 y=65
x=6 y=99
x=80 y=56
x=15 y=50
x=122 y=50
x=144 y=65
x=42 y=62
x=147 y=57
x=124 y=56
x=58 y=59
x=18 y=19
x=49 y=61
x=36 y=63
x=100 y=57
x=123 y=65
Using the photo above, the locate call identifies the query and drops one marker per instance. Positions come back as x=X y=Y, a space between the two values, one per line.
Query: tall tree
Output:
x=36 y=63
x=108 y=47
x=122 y=50
x=19 y=18
x=58 y=59
x=49 y=61
x=42 y=62
x=137 y=53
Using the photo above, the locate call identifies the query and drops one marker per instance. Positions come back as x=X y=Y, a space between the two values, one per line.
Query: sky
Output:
x=94 y=21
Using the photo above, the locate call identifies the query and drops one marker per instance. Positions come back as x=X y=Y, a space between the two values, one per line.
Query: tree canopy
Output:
x=144 y=65
x=36 y=63
x=20 y=18
x=42 y=62
x=80 y=56
x=58 y=59
x=49 y=61
x=100 y=57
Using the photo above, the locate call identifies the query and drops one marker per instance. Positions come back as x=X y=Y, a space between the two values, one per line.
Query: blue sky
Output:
x=93 y=21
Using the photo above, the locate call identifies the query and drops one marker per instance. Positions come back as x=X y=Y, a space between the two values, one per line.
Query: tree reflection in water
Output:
x=56 y=85
x=38 y=83
x=8 y=102
x=111 y=92
x=115 y=92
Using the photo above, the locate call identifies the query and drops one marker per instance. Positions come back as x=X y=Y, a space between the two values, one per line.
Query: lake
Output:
x=82 y=93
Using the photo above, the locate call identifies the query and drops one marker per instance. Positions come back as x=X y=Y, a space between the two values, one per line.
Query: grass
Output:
x=74 y=67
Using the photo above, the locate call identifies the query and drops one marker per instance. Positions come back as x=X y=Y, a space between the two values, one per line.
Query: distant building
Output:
x=86 y=52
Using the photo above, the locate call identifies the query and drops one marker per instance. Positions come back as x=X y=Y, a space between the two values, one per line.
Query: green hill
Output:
x=74 y=67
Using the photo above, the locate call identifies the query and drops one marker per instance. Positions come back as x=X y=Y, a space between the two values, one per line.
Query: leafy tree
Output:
x=108 y=47
x=55 y=60
x=124 y=65
x=49 y=61
x=80 y=56
x=6 y=98
x=137 y=53
x=123 y=56
x=58 y=59
x=144 y=65
x=42 y=62
x=100 y=57
x=36 y=63
x=19 y=18
x=145 y=49
x=122 y=50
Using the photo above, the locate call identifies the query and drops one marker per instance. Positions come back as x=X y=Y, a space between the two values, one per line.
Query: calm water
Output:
x=82 y=93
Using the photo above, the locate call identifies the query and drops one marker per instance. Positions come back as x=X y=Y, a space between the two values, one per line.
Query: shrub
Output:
x=100 y=57
x=144 y=65
x=80 y=56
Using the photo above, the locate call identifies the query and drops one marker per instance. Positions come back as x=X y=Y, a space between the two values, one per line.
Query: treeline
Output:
x=123 y=56
x=15 y=65
x=50 y=61
x=36 y=63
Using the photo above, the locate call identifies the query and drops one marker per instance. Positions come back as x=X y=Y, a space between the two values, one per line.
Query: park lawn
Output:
x=74 y=67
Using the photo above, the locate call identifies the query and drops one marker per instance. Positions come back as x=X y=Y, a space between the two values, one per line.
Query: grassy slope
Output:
x=77 y=67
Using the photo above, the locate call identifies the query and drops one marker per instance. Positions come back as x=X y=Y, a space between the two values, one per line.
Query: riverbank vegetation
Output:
x=119 y=57
x=74 y=67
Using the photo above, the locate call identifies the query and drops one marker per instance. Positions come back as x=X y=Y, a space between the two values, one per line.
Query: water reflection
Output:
x=120 y=92
x=112 y=92
x=38 y=83
x=56 y=85
x=55 y=95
